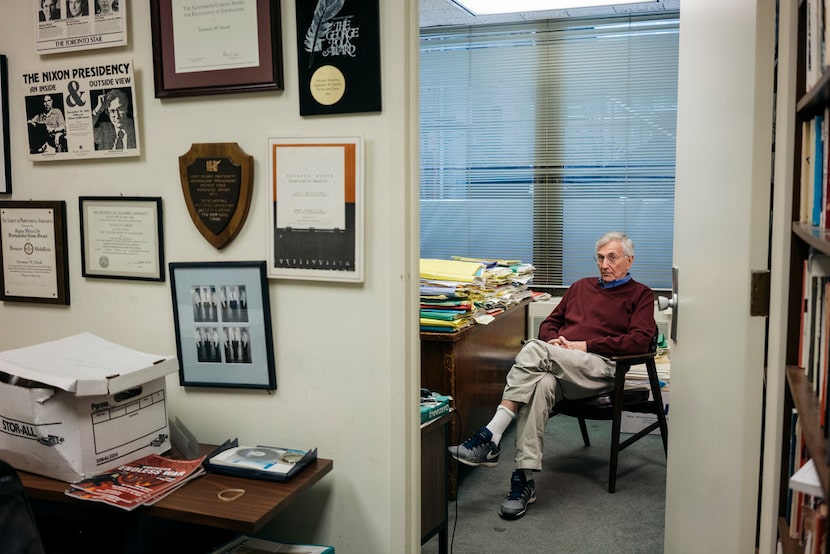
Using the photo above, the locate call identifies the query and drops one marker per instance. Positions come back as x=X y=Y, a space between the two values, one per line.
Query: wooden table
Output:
x=471 y=365
x=434 y=480
x=191 y=513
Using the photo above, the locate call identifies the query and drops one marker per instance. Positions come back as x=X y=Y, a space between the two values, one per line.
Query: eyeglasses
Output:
x=610 y=258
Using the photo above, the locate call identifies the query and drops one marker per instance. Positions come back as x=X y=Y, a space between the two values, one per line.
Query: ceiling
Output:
x=436 y=13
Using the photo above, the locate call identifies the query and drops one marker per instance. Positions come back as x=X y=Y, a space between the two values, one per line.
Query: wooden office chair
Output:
x=610 y=406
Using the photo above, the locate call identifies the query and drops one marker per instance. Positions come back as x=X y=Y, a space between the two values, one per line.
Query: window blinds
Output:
x=537 y=138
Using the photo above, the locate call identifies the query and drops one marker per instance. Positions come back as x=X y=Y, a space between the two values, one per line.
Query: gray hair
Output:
x=627 y=243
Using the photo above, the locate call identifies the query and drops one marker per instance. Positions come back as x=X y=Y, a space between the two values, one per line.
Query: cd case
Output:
x=258 y=462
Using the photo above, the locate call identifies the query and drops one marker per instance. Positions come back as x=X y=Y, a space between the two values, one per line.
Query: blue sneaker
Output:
x=522 y=493
x=478 y=450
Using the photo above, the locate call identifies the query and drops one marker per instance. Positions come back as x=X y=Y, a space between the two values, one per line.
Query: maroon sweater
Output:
x=614 y=321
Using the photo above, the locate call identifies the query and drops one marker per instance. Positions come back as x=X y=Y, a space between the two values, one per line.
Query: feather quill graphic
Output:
x=320 y=23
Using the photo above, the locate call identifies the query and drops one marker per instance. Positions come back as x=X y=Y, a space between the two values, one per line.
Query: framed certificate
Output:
x=316 y=209
x=33 y=252
x=207 y=47
x=122 y=238
x=222 y=312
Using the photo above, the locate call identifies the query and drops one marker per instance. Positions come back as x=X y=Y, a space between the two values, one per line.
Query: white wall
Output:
x=346 y=366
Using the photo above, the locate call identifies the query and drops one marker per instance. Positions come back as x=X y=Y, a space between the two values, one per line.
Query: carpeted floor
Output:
x=573 y=512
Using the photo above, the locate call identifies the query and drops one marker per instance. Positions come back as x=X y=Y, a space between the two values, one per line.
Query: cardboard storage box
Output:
x=82 y=405
x=633 y=422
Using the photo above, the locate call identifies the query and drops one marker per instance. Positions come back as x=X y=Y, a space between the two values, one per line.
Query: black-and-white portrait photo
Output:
x=47 y=126
x=208 y=345
x=113 y=127
x=77 y=8
x=237 y=345
x=50 y=10
x=234 y=299
x=204 y=300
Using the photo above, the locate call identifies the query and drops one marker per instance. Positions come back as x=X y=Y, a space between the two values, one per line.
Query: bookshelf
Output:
x=808 y=345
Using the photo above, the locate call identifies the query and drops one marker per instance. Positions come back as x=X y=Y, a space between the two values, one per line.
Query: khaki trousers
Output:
x=541 y=375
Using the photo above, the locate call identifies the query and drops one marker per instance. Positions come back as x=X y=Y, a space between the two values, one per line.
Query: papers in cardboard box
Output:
x=76 y=407
x=85 y=365
x=272 y=463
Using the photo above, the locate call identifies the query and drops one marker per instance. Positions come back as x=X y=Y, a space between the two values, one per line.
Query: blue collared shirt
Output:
x=614 y=283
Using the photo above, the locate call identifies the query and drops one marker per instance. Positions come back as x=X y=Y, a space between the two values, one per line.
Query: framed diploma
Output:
x=222 y=312
x=316 y=209
x=122 y=238
x=33 y=252
x=208 y=47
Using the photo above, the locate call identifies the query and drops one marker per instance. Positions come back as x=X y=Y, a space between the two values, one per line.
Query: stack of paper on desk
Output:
x=450 y=270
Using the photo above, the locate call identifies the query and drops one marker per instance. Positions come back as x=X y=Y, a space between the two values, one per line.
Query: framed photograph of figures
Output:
x=33 y=252
x=222 y=315
x=5 y=150
x=316 y=209
x=338 y=56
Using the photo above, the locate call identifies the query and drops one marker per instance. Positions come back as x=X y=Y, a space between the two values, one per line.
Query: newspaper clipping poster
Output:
x=83 y=111
x=69 y=25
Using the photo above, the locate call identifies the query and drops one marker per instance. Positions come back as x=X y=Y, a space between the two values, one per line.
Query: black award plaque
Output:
x=217 y=182
x=338 y=46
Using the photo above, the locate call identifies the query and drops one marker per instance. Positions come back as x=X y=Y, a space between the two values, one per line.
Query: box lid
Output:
x=86 y=365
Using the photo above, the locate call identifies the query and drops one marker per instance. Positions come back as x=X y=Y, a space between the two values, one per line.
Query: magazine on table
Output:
x=142 y=482
x=259 y=462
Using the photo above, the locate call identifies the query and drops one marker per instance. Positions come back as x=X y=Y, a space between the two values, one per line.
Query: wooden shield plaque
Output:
x=217 y=181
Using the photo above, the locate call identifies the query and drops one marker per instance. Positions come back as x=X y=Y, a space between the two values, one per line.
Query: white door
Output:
x=721 y=235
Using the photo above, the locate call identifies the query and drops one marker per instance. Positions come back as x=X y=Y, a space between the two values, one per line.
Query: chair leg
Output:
x=584 y=429
x=616 y=423
x=654 y=381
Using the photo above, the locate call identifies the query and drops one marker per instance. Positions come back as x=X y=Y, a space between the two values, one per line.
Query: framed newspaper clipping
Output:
x=316 y=209
x=33 y=252
x=70 y=25
x=208 y=47
x=222 y=313
x=81 y=111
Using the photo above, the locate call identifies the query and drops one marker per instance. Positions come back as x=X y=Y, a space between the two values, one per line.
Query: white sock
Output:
x=500 y=422
x=528 y=474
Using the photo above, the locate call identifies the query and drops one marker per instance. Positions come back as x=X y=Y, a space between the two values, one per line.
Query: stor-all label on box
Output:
x=79 y=406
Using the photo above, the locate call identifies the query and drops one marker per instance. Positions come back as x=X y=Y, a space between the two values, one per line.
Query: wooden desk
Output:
x=471 y=366
x=434 y=480
x=196 y=504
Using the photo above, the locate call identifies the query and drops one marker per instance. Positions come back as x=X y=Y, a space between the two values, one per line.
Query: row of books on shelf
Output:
x=814 y=343
x=806 y=506
x=814 y=180
x=816 y=40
